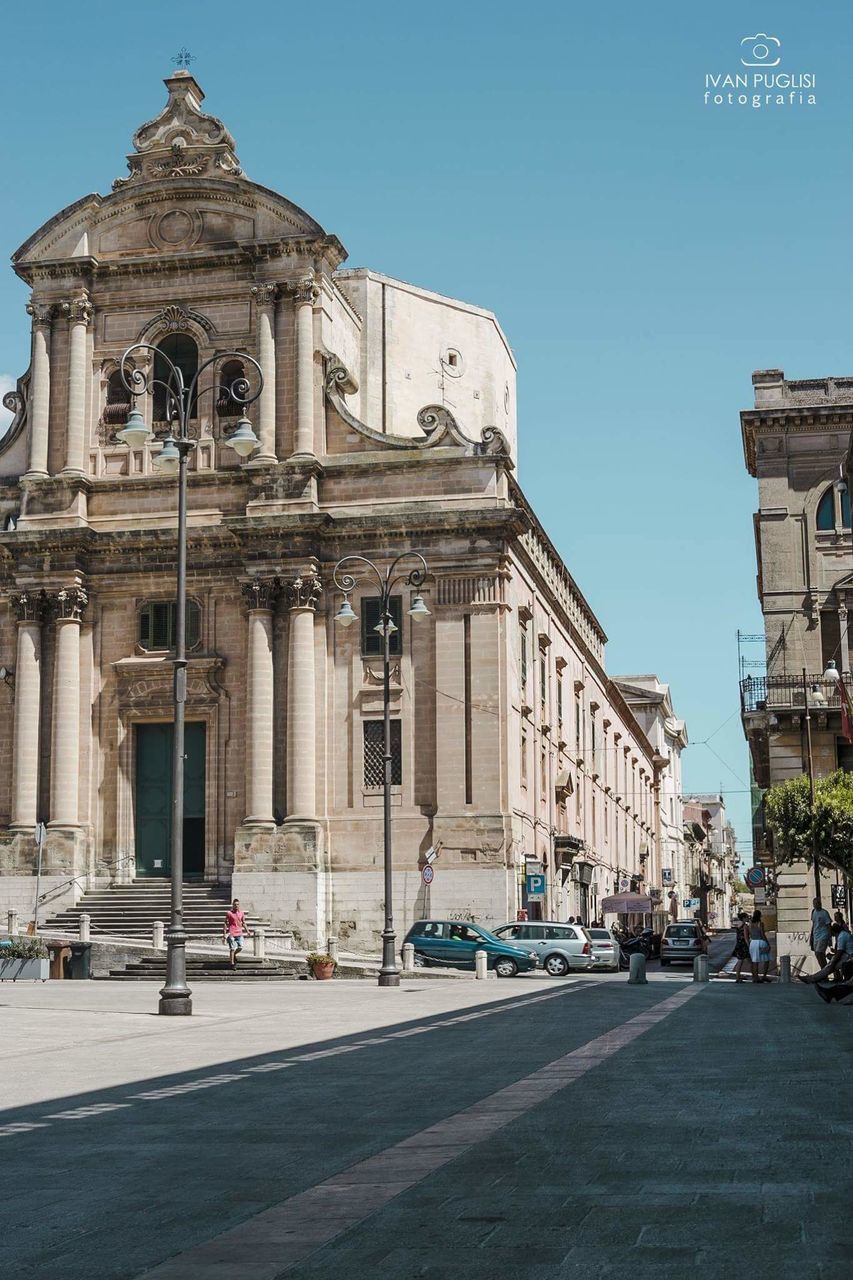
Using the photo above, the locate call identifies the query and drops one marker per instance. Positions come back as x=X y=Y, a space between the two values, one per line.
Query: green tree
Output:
x=788 y=810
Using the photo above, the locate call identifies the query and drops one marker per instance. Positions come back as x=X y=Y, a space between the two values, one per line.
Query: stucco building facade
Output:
x=795 y=439
x=386 y=423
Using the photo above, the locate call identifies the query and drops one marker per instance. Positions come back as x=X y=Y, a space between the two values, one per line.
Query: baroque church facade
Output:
x=386 y=423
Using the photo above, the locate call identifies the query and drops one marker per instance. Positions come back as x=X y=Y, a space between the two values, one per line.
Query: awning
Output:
x=626 y=904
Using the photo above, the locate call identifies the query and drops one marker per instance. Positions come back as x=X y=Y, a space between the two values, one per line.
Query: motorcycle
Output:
x=629 y=943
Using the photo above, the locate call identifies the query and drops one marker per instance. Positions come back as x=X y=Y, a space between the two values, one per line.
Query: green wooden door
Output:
x=153 y=799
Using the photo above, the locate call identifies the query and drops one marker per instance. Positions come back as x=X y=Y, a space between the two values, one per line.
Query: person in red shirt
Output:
x=234 y=930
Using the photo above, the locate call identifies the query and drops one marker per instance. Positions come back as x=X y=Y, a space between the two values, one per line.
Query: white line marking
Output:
x=297 y=1227
x=208 y=1082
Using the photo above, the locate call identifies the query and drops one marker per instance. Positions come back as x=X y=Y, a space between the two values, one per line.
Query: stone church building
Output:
x=386 y=422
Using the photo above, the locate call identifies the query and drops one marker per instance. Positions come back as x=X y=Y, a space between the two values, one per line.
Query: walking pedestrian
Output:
x=234 y=931
x=742 y=939
x=759 y=949
x=820 y=932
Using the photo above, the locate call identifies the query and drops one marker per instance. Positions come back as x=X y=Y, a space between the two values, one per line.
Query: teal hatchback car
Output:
x=454 y=943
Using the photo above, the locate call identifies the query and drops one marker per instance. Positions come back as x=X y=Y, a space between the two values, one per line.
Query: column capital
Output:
x=261 y=593
x=304 y=291
x=30 y=606
x=42 y=313
x=69 y=603
x=265 y=295
x=79 y=310
x=303 y=592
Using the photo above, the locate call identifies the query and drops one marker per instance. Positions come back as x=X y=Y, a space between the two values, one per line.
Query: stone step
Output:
x=205 y=977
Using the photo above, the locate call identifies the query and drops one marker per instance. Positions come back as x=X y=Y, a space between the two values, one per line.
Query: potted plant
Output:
x=321 y=965
x=24 y=958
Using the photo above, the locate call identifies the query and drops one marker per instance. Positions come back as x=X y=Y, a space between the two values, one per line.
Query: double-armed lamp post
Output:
x=389 y=974
x=181 y=400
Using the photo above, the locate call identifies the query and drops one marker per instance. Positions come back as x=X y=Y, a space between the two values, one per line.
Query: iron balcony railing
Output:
x=765 y=693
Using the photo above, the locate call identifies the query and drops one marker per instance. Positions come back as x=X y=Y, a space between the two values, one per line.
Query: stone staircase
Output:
x=209 y=969
x=130 y=910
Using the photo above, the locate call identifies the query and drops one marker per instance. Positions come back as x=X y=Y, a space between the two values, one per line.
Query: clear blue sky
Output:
x=554 y=162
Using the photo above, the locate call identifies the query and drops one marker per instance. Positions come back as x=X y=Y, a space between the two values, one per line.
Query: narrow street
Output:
x=539 y=1128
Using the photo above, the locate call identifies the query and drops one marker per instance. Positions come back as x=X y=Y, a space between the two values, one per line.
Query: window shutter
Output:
x=145 y=627
x=162 y=628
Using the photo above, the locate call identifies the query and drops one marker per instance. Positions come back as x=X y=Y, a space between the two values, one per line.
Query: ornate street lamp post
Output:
x=389 y=974
x=180 y=400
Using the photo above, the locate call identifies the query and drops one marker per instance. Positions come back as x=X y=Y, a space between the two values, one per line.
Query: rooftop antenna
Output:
x=183 y=58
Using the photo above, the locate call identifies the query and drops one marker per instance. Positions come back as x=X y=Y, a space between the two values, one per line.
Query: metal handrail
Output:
x=55 y=889
x=761 y=693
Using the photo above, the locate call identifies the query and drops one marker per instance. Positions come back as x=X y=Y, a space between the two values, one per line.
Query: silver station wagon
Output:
x=560 y=947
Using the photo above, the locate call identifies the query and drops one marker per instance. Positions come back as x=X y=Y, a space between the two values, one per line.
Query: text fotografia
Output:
x=761 y=89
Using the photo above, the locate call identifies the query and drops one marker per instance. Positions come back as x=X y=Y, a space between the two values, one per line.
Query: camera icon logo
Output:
x=760 y=50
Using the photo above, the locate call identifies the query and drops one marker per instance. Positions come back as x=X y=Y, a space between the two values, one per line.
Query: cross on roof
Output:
x=183 y=58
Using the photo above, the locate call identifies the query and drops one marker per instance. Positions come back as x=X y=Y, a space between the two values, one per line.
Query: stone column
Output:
x=29 y=607
x=65 y=741
x=260 y=596
x=80 y=312
x=303 y=594
x=39 y=388
x=265 y=297
x=304 y=296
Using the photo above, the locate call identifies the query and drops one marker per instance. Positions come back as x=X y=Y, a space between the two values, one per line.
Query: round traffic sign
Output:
x=755 y=877
x=427 y=875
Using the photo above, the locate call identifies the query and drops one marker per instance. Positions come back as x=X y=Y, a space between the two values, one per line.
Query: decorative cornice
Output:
x=42 y=314
x=261 y=593
x=265 y=294
x=30 y=606
x=303 y=592
x=70 y=603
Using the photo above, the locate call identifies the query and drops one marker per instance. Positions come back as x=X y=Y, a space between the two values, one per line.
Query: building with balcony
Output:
x=795 y=439
x=712 y=857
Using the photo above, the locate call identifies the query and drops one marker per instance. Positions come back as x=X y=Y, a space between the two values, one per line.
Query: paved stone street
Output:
x=538 y=1128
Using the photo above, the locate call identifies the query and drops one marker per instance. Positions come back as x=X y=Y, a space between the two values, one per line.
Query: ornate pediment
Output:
x=145 y=684
x=182 y=142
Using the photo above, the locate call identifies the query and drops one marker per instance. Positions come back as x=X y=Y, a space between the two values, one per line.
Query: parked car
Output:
x=681 y=941
x=605 y=949
x=454 y=943
x=559 y=947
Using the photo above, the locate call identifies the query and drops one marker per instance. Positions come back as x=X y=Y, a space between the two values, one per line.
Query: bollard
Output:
x=700 y=969
x=85 y=927
x=784 y=968
x=157 y=935
x=481 y=964
x=408 y=957
x=259 y=944
x=637 y=970
x=332 y=948
x=12 y=917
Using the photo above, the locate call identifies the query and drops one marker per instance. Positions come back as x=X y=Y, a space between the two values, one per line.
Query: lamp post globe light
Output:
x=180 y=400
x=345 y=581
